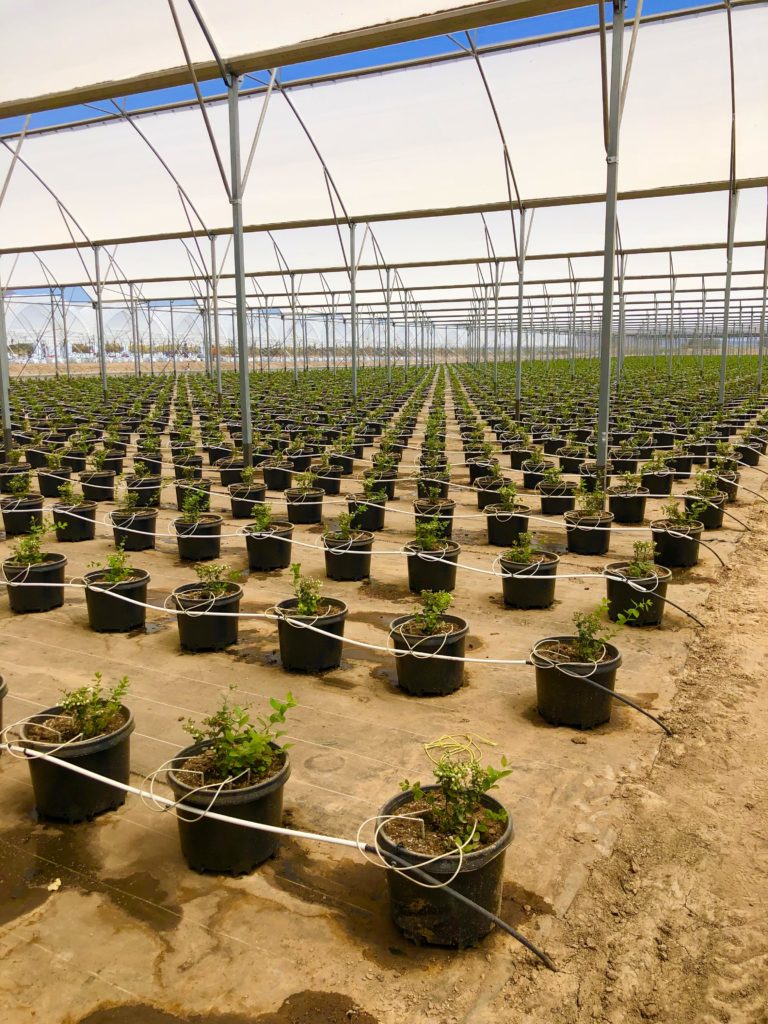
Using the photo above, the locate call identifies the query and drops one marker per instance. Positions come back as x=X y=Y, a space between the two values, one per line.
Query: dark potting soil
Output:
x=322 y=609
x=568 y=654
x=445 y=629
x=430 y=842
x=539 y=557
x=62 y=728
x=206 y=774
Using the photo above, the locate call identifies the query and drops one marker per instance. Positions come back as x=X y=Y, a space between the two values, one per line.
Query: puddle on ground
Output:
x=387 y=675
x=149 y=628
x=32 y=857
x=337 y=682
x=300 y=1008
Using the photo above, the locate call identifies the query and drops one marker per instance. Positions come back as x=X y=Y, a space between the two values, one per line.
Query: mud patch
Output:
x=337 y=682
x=519 y=905
x=387 y=675
x=386 y=591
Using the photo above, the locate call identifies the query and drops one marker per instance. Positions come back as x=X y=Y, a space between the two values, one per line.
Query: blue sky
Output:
x=577 y=18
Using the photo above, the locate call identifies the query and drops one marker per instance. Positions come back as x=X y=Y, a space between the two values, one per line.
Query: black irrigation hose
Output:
x=431 y=880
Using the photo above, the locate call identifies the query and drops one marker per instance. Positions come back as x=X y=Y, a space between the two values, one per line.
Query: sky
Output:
x=525 y=28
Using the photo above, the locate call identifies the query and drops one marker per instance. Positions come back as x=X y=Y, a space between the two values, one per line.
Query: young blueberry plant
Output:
x=117 y=569
x=642 y=564
x=94 y=709
x=430 y=533
x=522 y=551
x=429 y=619
x=306 y=590
x=215 y=578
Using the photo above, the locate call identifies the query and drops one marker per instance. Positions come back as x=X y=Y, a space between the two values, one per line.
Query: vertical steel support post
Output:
x=519 y=339
x=388 y=326
x=100 y=322
x=53 y=330
x=733 y=205
x=496 y=328
x=353 y=307
x=216 y=324
x=64 y=338
x=761 y=335
x=609 y=259
x=293 y=329
x=5 y=400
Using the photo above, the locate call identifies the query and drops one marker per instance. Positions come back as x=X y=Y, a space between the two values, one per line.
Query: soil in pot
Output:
x=563 y=698
x=108 y=613
x=627 y=507
x=216 y=846
x=432 y=916
x=63 y=795
x=530 y=584
x=98 y=485
x=557 y=499
x=243 y=498
x=304 y=650
x=432 y=570
x=429 y=677
x=210 y=621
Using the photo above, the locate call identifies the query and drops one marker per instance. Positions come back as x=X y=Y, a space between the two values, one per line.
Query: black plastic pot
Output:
x=7 y=473
x=184 y=487
x=384 y=481
x=3 y=695
x=431 y=915
x=676 y=547
x=368 y=517
x=432 y=570
x=504 y=527
x=278 y=478
x=429 y=677
x=304 y=506
x=75 y=523
x=626 y=592
x=199 y=541
x=216 y=846
x=556 y=500
x=658 y=483
x=346 y=463
x=230 y=471
x=348 y=560
x=147 y=488
x=99 y=485
x=20 y=513
x=588 y=535
x=269 y=550
x=302 y=649
x=208 y=623
x=329 y=479
x=529 y=584
x=628 y=507
x=135 y=530
x=63 y=795
x=110 y=614
x=533 y=474
x=44 y=581
x=710 y=510
x=428 y=482
x=50 y=480
x=243 y=498
x=563 y=699
x=426 y=509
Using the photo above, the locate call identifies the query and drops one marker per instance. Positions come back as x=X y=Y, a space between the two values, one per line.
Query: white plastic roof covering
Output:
x=54 y=53
x=415 y=139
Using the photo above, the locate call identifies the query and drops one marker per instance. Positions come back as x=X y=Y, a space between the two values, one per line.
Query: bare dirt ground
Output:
x=641 y=865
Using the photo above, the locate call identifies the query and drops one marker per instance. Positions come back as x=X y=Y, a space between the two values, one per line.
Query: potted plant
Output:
x=431 y=504
x=74 y=516
x=301 y=648
x=588 y=527
x=557 y=496
x=236 y=767
x=99 y=483
x=305 y=500
x=208 y=610
x=563 y=663
x=638 y=583
x=534 y=468
x=91 y=728
x=21 y=509
x=328 y=477
x=431 y=558
x=627 y=498
x=572 y=455
x=429 y=631
x=145 y=484
x=108 y=613
x=277 y=474
x=459 y=834
x=133 y=527
x=198 y=532
x=488 y=486
x=268 y=541
x=35 y=578
x=53 y=475
x=368 y=507
x=244 y=496
x=506 y=518
x=708 y=498
x=347 y=550
x=677 y=535
x=657 y=476
x=528 y=574
x=187 y=484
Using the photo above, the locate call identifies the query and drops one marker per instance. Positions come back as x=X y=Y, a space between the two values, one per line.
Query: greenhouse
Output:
x=383 y=493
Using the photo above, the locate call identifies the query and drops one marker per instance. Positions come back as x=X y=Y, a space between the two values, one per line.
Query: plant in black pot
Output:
x=455 y=832
x=506 y=518
x=90 y=728
x=53 y=475
x=74 y=515
x=237 y=768
x=133 y=527
x=106 y=590
x=208 y=610
x=724 y=464
x=368 y=507
x=657 y=476
x=488 y=486
x=432 y=503
x=310 y=627
x=328 y=477
x=244 y=496
x=627 y=498
x=347 y=550
x=35 y=578
x=305 y=501
x=431 y=557
x=677 y=536
x=564 y=664
x=528 y=574
x=588 y=526
x=534 y=468
x=21 y=509
x=638 y=583
x=556 y=495
x=268 y=541
x=146 y=484
x=708 y=498
x=198 y=532
x=99 y=483
x=421 y=635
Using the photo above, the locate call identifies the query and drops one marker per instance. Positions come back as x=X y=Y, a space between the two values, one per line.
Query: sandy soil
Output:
x=640 y=865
